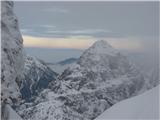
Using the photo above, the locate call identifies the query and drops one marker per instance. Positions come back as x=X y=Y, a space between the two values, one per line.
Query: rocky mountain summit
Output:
x=100 y=64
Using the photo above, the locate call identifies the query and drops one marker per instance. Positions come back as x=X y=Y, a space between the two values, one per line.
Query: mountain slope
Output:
x=144 y=106
x=37 y=76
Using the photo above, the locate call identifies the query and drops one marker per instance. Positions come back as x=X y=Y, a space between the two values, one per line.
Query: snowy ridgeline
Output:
x=144 y=106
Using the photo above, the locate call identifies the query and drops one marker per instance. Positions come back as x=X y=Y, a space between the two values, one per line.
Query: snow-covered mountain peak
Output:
x=99 y=63
x=100 y=55
x=101 y=43
x=102 y=47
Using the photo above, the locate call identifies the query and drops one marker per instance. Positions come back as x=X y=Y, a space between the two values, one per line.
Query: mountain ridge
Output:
x=88 y=87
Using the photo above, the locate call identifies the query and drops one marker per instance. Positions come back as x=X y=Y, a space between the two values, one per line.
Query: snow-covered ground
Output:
x=12 y=115
x=144 y=106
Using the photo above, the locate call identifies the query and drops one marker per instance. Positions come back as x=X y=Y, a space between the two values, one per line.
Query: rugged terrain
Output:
x=101 y=77
x=37 y=77
x=12 y=60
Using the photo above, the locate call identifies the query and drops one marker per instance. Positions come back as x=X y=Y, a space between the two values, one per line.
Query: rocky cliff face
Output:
x=12 y=54
x=12 y=58
x=100 y=78
x=37 y=76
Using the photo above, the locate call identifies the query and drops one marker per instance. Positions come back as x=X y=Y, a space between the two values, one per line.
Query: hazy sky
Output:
x=129 y=26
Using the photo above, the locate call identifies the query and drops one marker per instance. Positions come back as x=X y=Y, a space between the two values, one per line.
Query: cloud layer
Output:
x=80 y=42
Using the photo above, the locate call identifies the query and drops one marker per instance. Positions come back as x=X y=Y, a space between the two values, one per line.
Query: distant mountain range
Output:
x=64 y=62
x=59 y=67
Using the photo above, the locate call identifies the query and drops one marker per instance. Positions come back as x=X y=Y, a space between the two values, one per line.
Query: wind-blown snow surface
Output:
x=144 y=106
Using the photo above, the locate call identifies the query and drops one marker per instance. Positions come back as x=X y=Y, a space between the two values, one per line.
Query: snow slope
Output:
x=12 y=114
x=144 y=106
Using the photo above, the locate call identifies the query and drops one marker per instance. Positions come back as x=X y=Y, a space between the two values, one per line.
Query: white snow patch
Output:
x=12 y=115
x=102 y=47
x=144 y=106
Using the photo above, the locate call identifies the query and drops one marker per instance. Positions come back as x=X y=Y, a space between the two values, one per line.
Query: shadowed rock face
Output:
x=12 y=54
x=37 y=77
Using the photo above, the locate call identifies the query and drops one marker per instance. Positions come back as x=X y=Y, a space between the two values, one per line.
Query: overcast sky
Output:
x=130 y=26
